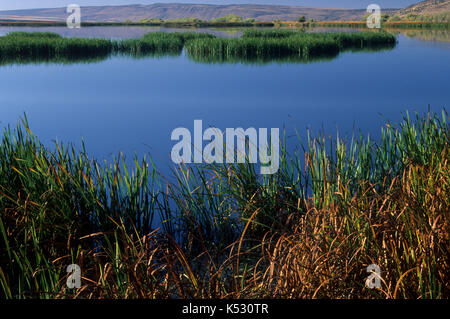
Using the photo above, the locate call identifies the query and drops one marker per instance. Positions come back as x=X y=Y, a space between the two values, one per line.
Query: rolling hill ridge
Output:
x=169 y=11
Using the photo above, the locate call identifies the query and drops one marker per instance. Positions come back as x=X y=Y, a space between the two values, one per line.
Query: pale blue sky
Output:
x=25 y=4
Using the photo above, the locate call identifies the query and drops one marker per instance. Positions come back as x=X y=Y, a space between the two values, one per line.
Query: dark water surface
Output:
x=132 y=105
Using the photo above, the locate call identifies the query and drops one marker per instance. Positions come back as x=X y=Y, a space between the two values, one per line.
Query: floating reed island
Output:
x=293 y=46
x=254 y=45
x=26 y=47
x=223 y=231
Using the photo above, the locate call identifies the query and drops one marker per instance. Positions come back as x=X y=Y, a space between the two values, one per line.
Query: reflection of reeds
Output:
x=389 y=24
x=426 y=35
x=417 y=25
x=308 y=231
x=258 y=60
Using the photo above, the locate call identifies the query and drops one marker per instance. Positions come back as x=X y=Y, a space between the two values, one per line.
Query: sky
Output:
x=359 y=4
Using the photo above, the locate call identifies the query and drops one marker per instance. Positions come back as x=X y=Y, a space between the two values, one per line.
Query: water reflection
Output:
x=119 y=32
x=63 y=60
x=426 y=35
x=282 y=59
x=126 y=32
x=208 y=59
x=127 y=105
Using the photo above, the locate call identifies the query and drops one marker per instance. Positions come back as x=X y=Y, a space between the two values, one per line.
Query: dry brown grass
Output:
x=405 y=232
x=317 y=247
x=324 y=254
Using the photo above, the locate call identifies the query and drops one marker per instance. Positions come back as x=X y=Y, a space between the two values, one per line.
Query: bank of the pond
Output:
x=306 y=232
x=267 y=24
x=363 y=24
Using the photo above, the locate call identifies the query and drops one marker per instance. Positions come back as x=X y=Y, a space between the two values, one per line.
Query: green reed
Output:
x=158 y=43
x=344 y=39
x=274 y=33
x=20 y=47
x=265 y=45
x=416 y=25
x=261 y=48
x=254 y=46
x=23 y=47
x=183 y=36
x=60 y=206
x=20 y=34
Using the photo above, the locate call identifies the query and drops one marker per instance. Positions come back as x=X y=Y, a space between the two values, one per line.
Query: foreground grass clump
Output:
x=220 y=231
x=262 y=45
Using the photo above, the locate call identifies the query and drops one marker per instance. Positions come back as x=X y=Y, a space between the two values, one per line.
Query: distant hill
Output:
x=176 y=11
x=429 y=10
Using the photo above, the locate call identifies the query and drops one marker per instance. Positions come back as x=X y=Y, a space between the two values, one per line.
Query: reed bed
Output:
x=263 y=45
x=359 y=39
x=337 y=24
x=363 y=24
x=221 y=231
x=344 y=39
x=23 y=47
x=261 y=48
x=158 y=43
x=161 y=43
x=416 y=25
x=253 y=46
x=273 y=33
x=20 y=47
x=47 y=35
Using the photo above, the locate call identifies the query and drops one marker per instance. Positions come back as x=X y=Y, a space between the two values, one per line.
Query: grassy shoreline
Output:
x=363 y=24
x=174 y=24
x=308 y=231
x=268 y=24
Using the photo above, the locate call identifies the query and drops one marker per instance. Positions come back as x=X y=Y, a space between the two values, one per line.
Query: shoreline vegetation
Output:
x=254 y=46
x=223 y=231
x=195 y=23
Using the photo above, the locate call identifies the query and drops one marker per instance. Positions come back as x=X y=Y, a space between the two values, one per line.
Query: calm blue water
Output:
x=128 y=105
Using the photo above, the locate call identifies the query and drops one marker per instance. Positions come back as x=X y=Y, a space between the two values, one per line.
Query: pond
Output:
x=128 y=105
